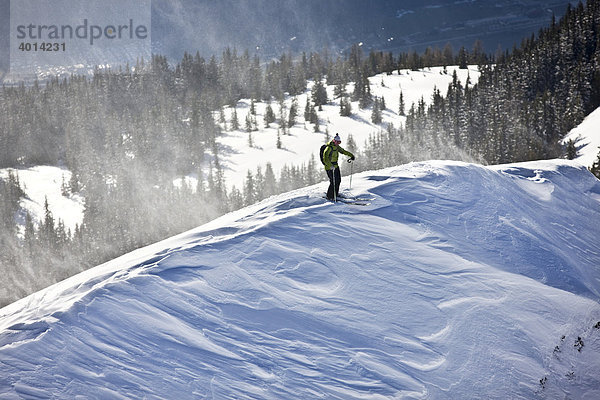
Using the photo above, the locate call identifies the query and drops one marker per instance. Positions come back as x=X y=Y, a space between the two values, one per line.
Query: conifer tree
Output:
x=249 y=124
x=307 y=110
x=270 y=185
x=376 y=112
x=236 y=198
x=269 y=115
x=235 y=125
x=249 y=189
x=339 y=90
x=571 y=150
x=222 y=119
x=463 y=58
x=319 y=93
x=402 y=106
x=345 y=107
x=447 y=55
x=362 y=91
x=313 y=117
x=30 y=234
x=293 y=113
x=282 y=116
x=48 y=234
x=595 y=168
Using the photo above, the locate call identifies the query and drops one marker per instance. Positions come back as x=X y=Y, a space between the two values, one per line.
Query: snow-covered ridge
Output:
x=457 y=281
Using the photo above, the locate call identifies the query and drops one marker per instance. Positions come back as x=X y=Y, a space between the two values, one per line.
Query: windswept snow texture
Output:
x=458 y=281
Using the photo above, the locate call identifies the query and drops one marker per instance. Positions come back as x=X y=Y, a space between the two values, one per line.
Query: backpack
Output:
x=321 y=151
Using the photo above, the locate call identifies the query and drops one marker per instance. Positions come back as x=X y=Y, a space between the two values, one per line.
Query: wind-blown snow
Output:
x=302 y=142
x=237 y=157
x=457 y=281
x=44 y=183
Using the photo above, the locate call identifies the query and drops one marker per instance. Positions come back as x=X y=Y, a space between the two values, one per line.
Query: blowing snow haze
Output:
x=273 y=26
x=270 y=27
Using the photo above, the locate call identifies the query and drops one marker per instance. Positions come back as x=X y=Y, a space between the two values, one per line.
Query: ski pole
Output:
x=334 y=193
x=350 y=187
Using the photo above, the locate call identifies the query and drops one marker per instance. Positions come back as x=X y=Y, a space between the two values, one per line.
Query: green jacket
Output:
x=331 y=154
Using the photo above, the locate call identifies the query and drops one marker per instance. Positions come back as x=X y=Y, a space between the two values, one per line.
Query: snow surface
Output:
x=458 y=281
x=587 y=139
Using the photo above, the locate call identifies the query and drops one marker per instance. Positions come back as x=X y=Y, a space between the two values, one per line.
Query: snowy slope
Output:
x=587 y=139
x=41 y=183
x=457 y=281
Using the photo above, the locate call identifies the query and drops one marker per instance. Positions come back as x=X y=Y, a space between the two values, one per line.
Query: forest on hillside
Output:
x=126 y=134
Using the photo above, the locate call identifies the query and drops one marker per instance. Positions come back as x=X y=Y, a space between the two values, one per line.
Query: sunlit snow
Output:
x=44 y=183
x=457 y=281
x=587 y=139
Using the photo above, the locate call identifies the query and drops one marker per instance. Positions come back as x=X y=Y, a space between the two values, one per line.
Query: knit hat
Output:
x=337 y=139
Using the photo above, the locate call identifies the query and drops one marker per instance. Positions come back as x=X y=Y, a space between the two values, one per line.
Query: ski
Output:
x=355 y=198
x=360 y=198
x=352 y=202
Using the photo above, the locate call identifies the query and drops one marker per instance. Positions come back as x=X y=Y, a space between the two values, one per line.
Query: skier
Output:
x=330 y=161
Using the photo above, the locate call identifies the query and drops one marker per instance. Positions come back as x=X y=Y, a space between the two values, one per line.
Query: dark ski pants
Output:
x=338 y=177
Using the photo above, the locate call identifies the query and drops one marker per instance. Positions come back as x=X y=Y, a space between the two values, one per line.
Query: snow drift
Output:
x=457 y=281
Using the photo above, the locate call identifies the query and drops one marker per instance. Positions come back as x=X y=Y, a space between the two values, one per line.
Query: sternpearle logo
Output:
x=60 y=35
